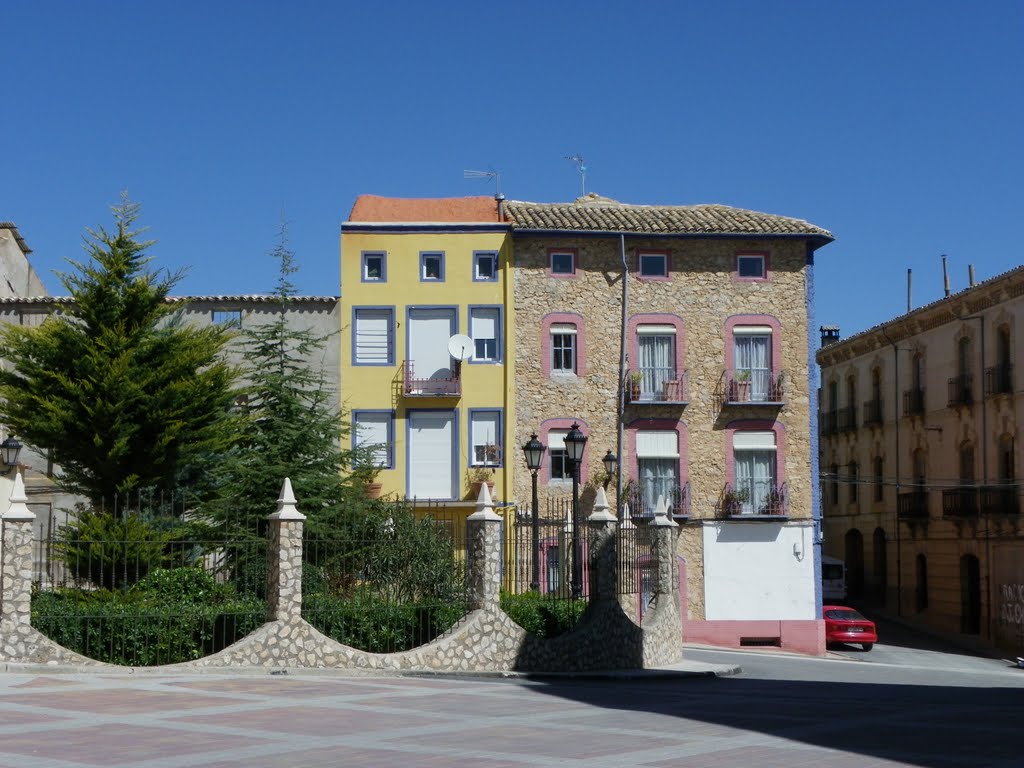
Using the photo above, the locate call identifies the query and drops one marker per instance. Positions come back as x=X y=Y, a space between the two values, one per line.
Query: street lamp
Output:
x=533 y=450
x=575 y=442
x=610 y=461
x=9 y=450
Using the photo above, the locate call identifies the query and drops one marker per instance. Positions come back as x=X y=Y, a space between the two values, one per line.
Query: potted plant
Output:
x=773 y=503
x=635 y=380
x=367 y=475
x=477 y=475
x=733 y=501
x=740 y=387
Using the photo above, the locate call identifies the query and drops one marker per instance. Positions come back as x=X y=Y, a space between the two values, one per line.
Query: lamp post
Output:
x=9 y=450
x=610 y=461
x=533 y=450
x=575 y=442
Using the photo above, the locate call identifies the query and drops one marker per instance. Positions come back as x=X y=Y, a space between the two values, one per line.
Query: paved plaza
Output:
x=677 y=717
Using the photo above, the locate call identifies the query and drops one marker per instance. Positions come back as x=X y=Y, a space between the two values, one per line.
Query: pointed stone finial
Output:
x=661 y=513
x=601 y=513
x=627 y=518
x=19 y=502
x=286 y=509
x=484 y=505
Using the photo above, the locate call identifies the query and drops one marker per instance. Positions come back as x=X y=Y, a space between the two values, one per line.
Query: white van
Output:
x=833 y=580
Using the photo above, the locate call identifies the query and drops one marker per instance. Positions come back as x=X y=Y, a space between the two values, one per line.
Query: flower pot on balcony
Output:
x=475 y=488
x=373 y=490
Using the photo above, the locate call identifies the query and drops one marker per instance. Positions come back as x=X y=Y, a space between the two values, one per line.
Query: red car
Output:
x=845 y=625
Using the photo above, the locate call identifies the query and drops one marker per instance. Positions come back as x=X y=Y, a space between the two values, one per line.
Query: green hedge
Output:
x=171 y=615
x=542 y=615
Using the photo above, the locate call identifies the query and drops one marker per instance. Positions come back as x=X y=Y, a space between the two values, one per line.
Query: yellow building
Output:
x=426 y=346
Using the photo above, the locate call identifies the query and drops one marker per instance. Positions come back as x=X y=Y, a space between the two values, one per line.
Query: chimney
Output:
x=829 y=334
x=500 y=200
x=945 y=276
x=970 y=275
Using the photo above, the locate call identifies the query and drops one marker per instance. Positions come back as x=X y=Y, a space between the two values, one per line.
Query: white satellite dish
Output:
x=460 y=346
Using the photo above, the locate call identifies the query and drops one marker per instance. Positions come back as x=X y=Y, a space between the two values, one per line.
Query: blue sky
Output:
x=897 y=126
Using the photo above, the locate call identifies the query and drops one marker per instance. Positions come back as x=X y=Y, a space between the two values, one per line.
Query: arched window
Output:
x=852 y=480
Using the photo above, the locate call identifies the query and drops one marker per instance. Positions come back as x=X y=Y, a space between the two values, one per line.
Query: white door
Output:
x=431 y=455
x=429 y=331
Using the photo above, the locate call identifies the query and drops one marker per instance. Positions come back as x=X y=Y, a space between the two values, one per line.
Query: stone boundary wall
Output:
x=485 y=640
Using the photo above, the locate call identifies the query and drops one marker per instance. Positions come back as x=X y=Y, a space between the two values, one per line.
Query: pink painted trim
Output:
x=755 y=425
x=653 y=278
x=802 y=636
x=631 y=468
x=741 y=320
x=545 y=341
x=549 y=424
x=767 y=267
x=654 y=318
x=575 y=264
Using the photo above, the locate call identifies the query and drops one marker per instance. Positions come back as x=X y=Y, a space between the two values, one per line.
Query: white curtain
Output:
x=657 y=362
x=755 y=475
x=658 y=478
x=753 y=355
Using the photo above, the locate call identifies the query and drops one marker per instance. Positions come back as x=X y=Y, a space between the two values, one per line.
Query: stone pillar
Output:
x=284 y=559
x=483 y=550
x=664 y=532
x=604 y=563
x=16 y=592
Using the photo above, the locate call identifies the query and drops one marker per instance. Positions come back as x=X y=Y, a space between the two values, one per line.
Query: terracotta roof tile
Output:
x=425 y=209
x=599 y=214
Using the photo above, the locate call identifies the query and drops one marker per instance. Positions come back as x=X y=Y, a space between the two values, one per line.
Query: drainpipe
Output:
x=896 y=507
x=622 y=373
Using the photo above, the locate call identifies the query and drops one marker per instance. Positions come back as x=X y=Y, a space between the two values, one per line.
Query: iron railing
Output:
x=960 y=390
x=829 y=421
x=652 y=385
x=913 y=401
x=999 y=500
x=999 y=379
x=847 y=419
x=753 y=500
x=745 y=386
x=960 y=502
x=912 y=505
x=872 y=413
x=642 y=499
x=431 y=386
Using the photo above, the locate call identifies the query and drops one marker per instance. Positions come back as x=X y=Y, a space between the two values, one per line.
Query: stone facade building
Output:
x=919 y=424
x=677 y=337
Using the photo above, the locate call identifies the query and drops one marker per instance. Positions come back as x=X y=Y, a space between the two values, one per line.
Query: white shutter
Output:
x=372 y=429
x=373 y=332
x=753 y=441
x=656 y=330
x=556 y=439
x=484 y=323
x=431 y=470
x=657 y=444
x=752 y=330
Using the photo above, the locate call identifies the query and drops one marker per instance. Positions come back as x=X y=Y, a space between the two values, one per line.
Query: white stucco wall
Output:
x=759 y=571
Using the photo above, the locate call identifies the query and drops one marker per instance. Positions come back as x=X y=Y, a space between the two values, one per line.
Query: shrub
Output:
x=542 y=615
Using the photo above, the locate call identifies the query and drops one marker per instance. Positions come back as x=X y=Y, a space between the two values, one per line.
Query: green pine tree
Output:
x=117 y=388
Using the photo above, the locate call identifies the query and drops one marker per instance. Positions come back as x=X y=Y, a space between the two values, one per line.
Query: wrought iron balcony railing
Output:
x=643 y=499
x=1000 y=500
x=745 y=387
x=960 y=502
x=961 y=390
x=829 y=421
x=847 y=419
x=999 y=379
x=913 y=402
x=651 y=386
x=753 y=499
x=912 y=505
x=872 y=413
x=433 y=385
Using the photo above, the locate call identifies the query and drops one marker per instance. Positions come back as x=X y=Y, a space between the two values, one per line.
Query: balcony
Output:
x=999 y=380
x=999 y=500
x=756 y=500
x=961 y=391
x=643 y=499
x=960 y=503
x=656 y=386
x=912 y=505
x=913 y=402
x=829 y=421
x=847 y=421
x=435 y=385
x=872 y=413
x=744 y=387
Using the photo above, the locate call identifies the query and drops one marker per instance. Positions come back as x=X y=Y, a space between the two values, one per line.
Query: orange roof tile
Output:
x=424 y=209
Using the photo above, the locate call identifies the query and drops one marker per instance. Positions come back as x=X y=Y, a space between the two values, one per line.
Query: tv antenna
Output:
x=578 y=159
x=496 y=175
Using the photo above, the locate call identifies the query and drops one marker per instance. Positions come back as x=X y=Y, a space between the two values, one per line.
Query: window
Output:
x=562 y=263
x=230 y=318
x=755 y=471
x=752 y=360
x=485 y=267
x=852 y=479
x=657 y=459
x=561 y=467
x=563 y=348
x=432 y=267
x=485 y=330
x=374 y=268
x=879 y=478
x=373 y=431
x=653 y=264
x=485 y=437
x=656 y=358
x=373 y=336
x=751 y=266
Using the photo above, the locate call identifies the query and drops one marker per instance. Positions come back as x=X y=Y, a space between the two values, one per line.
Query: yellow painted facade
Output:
x=405 y=284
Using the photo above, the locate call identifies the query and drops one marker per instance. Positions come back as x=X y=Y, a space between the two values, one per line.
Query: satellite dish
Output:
x=460 y=346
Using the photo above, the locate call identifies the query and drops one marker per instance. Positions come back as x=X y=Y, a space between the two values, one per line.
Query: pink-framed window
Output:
x=557 y=467
x=657 y=349
x=563 y=263
x=653 y=264
x=755 y=464
x=563 y=343
x=656 y=464
x=752 y=266
x=753 y=343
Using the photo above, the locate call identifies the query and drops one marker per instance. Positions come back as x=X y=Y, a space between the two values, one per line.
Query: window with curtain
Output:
x=752 y=362
x=657 y=358
x=561 y=467
x=485 y=436
x=657 y=458
x=754 y=463
x=484 y=324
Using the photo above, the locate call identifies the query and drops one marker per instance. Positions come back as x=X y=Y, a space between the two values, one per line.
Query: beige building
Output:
x=919 y=424
x=677 y=337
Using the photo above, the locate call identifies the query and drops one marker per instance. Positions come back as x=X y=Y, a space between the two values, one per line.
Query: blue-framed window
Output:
x=373 y=336
x=653 y=263
x=374 y=430
x=375 y=267
x=562 y=263
x=229 y=318
x=485 y=330
x=485 y=437
x=485 y=267
x=432 y=267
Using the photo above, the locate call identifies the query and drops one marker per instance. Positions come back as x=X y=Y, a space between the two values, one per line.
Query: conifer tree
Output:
x=117 y=388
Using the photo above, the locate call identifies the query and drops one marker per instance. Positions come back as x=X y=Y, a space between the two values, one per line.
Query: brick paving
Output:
x=668 y=718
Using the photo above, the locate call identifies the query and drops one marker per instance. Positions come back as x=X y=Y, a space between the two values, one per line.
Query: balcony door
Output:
x=429 y=330
x=432 y=461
